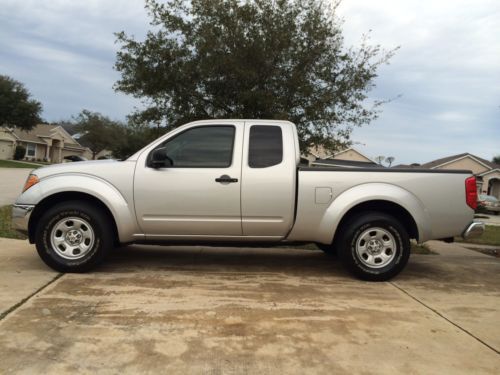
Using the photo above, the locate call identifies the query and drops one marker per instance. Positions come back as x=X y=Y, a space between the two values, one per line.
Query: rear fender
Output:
x=372 y=192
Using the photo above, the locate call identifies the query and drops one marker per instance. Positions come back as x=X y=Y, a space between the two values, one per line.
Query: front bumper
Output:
x=475 y=229
x=21 y=216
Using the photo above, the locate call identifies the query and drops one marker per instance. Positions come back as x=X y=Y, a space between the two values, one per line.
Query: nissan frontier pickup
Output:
x=239 y=182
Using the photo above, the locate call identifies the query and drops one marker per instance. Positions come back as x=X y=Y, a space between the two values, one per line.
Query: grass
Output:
x=6 y=230
x=17 y=164
x=491 y=236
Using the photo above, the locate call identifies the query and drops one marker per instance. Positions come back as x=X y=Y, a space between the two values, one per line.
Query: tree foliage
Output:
x=19 y=152
x=496 y=159
x=273 y=59
x=132 y=137
x=389 y=160
x=98 y=132
x=17 y=108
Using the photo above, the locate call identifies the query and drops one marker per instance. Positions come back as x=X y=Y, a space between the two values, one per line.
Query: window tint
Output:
x=265 y=146
x=204 y=147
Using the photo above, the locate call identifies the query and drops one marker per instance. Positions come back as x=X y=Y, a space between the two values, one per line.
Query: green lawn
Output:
x=17 y=164
x=5 y=225
x=491 y=236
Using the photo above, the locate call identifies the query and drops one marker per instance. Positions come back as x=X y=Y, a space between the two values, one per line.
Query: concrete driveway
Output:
x=256 y=311
x=490 y=219
x=11 y=183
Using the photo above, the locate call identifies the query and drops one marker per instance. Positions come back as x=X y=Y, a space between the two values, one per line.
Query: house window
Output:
x=30 y=150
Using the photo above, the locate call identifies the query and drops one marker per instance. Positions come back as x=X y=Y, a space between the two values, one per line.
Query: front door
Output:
x=198 y=193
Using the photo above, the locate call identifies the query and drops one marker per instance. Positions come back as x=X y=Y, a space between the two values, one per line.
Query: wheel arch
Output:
x=381 y=197
x=390 y=208
x=66 y=196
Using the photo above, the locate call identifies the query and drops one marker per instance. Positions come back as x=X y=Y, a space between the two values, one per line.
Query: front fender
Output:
x=122 y=209
x=372 y=192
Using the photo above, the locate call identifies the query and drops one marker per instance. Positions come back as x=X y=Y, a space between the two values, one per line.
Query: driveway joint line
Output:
x=24 y=300
x=445 y=318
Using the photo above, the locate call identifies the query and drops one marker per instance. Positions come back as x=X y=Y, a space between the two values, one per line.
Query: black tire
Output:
x=91 y=219
x=392 y=243
x=328 y=249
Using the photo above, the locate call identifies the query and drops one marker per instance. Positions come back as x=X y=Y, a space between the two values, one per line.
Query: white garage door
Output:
x=5 y=150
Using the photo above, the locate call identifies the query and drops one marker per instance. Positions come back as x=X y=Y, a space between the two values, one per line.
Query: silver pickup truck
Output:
x=239 y=182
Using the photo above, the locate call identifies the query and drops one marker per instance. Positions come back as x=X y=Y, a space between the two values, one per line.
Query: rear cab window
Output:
x=265 y=147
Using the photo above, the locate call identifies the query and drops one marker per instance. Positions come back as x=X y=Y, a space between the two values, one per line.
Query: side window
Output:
x=265 y=147
x=30 y=149
x=202 y=147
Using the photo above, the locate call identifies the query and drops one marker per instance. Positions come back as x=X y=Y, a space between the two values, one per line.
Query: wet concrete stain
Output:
x=215 y=311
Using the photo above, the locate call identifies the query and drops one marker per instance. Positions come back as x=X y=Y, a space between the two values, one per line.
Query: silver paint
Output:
x=175 y=203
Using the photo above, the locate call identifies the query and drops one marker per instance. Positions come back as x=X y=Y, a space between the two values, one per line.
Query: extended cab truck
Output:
x=239 y=181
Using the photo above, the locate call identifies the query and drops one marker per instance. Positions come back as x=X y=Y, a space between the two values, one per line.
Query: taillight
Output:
x=471 y=192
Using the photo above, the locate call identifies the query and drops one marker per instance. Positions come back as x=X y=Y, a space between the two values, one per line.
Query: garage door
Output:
x=5 y=150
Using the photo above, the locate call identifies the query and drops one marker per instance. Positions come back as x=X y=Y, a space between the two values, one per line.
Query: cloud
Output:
x=64 y=51
x=447 y=70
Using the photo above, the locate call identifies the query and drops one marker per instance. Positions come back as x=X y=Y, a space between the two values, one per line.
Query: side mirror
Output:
x=160 y=159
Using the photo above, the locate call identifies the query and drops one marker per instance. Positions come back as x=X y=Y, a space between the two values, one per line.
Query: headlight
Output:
x=32 y=180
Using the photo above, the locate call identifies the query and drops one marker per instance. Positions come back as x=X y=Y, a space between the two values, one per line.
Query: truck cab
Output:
x=219 y=179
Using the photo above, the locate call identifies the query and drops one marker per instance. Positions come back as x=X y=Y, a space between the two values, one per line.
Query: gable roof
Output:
x=438 y=162
x=406 y=166
x=354 y=150
x=43 y=131
x=345 y=163
x=320 y=153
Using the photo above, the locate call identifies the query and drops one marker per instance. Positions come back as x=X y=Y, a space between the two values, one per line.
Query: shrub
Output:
x=481 y=209
x=19 y=152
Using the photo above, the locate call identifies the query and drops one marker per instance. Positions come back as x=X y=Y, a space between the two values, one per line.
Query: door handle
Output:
x=225 y=179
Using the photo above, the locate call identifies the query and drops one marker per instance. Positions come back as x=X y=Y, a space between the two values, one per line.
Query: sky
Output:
x=444 y=79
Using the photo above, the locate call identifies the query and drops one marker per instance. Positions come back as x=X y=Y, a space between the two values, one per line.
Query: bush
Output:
x=481 y=209
x=19 y=152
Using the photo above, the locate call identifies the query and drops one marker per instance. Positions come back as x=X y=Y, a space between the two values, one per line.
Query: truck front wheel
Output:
x=374 y=246
x=73 y=236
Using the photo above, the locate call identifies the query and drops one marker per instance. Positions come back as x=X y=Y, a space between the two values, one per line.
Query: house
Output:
x=350 y=157
x=42 y=143
x=486 y=172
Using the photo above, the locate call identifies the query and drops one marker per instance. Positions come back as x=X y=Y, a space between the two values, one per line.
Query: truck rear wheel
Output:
x=73 y=236
x=374 y=246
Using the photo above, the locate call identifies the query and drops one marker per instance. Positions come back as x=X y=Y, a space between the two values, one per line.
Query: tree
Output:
x=496 y=159
x=379 y=159
x=274 y=59
x=19 y=152
x=17 y=108
x=389 y=160
x=98 y=132
x=131 y=138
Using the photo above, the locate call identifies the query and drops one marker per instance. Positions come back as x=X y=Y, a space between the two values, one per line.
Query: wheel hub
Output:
x=74 y=237
x=374 y=247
